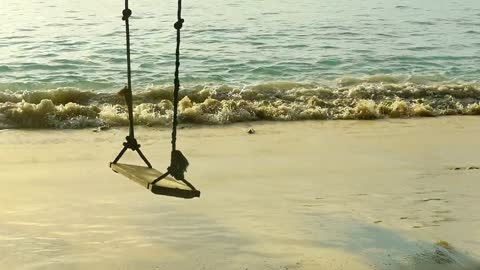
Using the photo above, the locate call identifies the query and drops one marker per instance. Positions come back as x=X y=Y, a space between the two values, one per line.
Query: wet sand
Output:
x=300 y=195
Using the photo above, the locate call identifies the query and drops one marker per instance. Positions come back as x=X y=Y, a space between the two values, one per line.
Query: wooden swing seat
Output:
x=144 y=176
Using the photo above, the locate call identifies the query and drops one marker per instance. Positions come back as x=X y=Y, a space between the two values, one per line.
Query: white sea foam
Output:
x=221 y=104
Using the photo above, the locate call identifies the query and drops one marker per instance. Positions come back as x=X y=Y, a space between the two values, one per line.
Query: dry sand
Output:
x=302 y=195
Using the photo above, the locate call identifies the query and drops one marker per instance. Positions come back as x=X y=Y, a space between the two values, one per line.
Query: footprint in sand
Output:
x=469 y=168
x=443 y=220
x=432 y=199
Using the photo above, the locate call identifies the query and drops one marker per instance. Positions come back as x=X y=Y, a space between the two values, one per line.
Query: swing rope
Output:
x=178 y=162
x=178 y=26
x=131 y=143
x=126 y=15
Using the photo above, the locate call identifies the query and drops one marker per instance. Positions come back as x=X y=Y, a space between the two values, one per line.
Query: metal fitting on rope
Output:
x=126 y=14
x=178 y=25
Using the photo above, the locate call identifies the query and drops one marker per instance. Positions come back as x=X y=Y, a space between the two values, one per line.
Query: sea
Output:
x=63 y=62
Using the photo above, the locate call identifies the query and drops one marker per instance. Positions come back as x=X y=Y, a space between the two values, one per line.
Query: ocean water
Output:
x=269 y=58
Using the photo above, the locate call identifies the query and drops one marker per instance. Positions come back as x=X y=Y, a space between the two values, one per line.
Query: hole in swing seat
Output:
x=145 y=176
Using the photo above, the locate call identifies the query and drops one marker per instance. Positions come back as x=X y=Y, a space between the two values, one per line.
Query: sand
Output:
x=297 y=195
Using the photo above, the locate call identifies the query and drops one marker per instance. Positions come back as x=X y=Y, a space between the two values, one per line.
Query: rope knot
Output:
x=179 y=24
x=126 y=14
x=131 y=143
x=178 y=166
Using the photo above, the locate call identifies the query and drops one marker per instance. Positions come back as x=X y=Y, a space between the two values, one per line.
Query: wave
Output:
x=351 y=98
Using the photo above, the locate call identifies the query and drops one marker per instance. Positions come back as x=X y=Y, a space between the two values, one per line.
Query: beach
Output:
x=383 y=194
x=322 y=134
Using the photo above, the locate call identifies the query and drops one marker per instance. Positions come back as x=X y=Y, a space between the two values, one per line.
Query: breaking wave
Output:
x=350 y=98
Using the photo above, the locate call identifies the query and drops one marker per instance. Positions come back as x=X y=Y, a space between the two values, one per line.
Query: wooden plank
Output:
x=145 y=176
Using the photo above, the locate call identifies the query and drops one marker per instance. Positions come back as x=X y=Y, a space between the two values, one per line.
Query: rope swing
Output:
x=157 y=182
